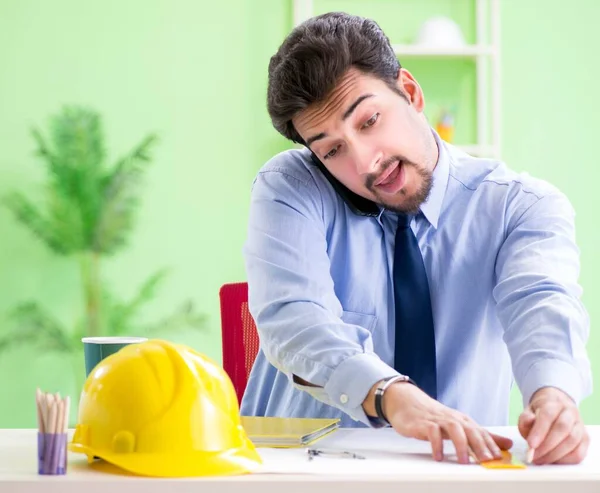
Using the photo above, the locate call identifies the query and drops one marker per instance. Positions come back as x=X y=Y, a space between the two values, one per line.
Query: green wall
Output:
x=195 y=72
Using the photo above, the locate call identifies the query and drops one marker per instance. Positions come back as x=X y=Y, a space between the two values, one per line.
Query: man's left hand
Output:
x=552 y=426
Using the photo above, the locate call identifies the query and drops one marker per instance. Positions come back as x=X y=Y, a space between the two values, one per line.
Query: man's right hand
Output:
x=412 y=413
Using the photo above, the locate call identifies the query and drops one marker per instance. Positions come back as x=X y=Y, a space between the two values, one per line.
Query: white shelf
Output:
x=468 y=51
x=485 y=54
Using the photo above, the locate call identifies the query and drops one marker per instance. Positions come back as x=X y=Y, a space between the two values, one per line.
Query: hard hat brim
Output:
x=243 y=460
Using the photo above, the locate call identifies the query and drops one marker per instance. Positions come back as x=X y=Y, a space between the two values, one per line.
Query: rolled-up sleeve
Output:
x=539 y=299
x=300 y=321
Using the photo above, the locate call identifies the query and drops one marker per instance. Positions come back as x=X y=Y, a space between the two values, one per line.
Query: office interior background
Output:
x=194 y=74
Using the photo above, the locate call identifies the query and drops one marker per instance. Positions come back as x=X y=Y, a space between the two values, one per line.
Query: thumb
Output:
x=526 y=421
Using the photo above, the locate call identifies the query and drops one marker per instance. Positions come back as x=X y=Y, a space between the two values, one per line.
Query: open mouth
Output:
x=392 y=180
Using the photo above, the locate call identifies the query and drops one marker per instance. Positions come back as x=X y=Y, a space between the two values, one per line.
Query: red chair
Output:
x=238 y=334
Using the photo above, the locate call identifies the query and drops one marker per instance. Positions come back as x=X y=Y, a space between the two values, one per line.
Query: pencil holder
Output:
x=52 y=453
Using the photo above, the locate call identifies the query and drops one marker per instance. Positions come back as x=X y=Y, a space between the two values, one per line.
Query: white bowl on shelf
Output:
x=440 y=32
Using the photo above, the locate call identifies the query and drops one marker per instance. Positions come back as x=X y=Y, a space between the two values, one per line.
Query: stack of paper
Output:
x=286 y=432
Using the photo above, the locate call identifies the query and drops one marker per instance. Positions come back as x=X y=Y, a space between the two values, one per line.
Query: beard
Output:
x=405 y=203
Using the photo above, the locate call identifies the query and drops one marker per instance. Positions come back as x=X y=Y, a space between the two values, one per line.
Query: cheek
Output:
x=350 y=178
x=414 y=180
x=400 y=136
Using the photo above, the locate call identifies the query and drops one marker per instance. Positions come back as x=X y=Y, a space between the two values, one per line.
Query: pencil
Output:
x=60 y=415
x=50 y=438
x=530 y=454
x=48 y=422
x=59 y=410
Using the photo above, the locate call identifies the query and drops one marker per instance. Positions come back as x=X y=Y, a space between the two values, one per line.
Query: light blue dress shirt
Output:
x=500 y=253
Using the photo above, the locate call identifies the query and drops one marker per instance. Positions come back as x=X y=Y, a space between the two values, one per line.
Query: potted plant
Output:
x=88 y=215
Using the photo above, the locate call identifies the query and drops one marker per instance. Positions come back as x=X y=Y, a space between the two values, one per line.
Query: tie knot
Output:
x=403 y=221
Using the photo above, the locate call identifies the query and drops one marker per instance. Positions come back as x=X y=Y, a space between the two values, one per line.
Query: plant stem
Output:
x=90 y=276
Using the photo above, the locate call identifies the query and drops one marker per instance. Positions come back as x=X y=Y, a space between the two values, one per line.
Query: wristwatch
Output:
x=380 y=390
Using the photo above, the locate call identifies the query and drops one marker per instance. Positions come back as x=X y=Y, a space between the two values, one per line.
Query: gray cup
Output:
x=95 y=349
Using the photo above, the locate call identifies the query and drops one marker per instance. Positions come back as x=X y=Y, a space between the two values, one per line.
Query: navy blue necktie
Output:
x=414 y=352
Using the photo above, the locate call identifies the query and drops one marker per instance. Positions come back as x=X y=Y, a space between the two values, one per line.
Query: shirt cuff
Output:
x=351 y=381
x=551 y=373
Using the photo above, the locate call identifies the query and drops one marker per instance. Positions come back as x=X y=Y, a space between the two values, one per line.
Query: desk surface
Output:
x=391 y=462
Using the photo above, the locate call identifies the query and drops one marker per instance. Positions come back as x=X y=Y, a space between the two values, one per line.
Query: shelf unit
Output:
x=486 y=53
x=469 y=51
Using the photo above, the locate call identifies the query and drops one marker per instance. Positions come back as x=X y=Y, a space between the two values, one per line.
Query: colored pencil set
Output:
x=53 y=422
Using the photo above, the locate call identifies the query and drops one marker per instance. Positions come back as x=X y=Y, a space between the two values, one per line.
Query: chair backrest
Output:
x=238 y=334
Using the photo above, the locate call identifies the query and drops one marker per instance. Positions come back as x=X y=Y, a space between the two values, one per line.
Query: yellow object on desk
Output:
x=162 y=409
x=287 y=432
x=508 y=461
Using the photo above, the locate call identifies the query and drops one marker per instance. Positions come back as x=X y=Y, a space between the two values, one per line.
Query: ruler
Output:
x=508 y=461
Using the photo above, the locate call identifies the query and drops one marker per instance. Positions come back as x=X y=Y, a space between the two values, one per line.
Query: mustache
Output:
x=372 y=177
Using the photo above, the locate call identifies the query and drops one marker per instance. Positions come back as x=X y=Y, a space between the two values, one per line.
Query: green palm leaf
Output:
x=77 y=138
x=65 y=222
x=28 y=214
x=122 y=316
x=182 y=317
x=32 y=324
x=120 y=198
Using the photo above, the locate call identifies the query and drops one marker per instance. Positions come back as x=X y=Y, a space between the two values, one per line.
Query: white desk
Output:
x=392 y=464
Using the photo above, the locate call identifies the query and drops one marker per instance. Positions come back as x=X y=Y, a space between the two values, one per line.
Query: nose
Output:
x=366 y=158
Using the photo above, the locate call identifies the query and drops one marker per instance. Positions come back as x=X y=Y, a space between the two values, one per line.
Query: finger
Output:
x=434 y=434
x=559 y=432
x=492 y=445
x=577 y=455
x=478 y=444
x=526 y=420
x=544 y=417
x=494 y=442
x=456 y=433
x=563 y=449
x=504 y=443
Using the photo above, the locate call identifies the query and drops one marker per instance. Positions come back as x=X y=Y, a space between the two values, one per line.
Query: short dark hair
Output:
x=315 y=56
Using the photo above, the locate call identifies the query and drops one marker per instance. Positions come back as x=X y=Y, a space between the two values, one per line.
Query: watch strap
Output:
x=380 y=390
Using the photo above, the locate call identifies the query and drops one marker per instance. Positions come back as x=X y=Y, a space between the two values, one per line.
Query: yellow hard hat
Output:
x=161 y=409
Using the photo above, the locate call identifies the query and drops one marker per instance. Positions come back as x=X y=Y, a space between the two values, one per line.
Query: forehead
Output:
x=351 y=86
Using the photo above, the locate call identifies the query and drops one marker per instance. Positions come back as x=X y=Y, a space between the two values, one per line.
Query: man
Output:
x=396 y=280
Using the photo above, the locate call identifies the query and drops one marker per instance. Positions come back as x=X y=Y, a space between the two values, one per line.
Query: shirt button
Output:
x=343 y=398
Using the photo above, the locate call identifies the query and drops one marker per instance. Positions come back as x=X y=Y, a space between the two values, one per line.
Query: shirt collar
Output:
x=432 y=207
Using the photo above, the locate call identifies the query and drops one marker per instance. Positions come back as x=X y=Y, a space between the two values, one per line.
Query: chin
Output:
x=404 y=202
x=409 y=201
x=403 y=208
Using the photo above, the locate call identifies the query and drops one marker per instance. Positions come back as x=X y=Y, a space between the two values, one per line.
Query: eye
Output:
x=331 y=153
x=371 y=121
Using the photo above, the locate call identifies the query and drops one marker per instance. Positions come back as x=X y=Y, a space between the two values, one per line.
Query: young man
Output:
x=381 y=251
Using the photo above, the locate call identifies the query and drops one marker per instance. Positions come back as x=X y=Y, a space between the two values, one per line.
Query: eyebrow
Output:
x=353 y=106
x=345 y=116
x=320 y=136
